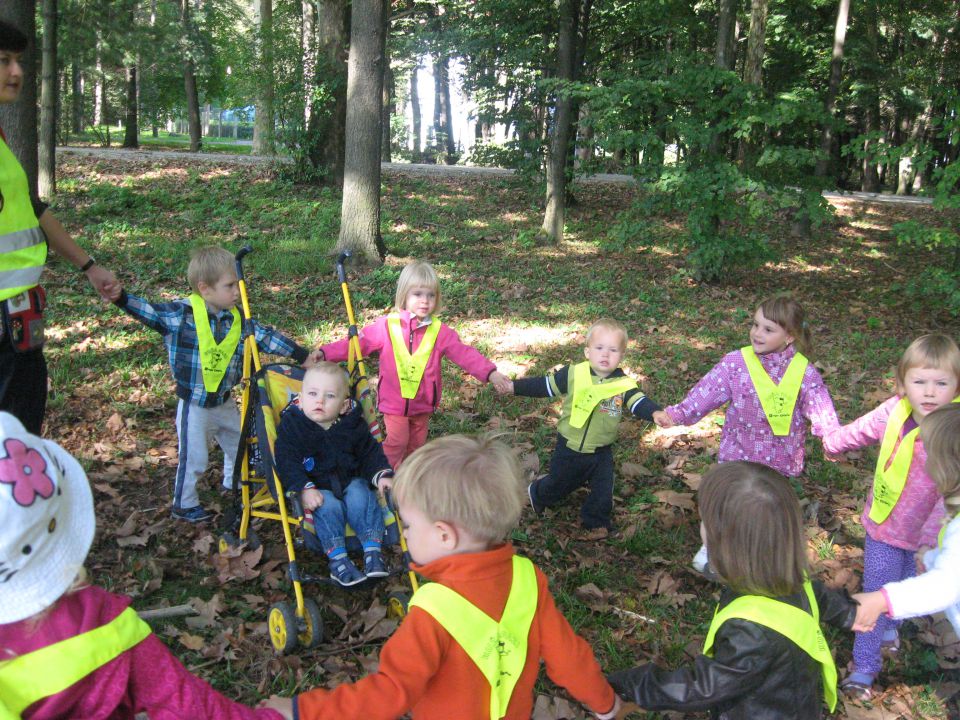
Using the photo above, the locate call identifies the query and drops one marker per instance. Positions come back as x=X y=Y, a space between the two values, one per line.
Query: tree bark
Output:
x=99 y=90
x=442 y=114
x=308 y=49
x=723 y=56
x=415 y=154
x=47 y=166
x=76 y=100
x=19 y=119
x=190 y=78
x=756 y=43
x=263 y=124
x=833 y=88
x=388 y=110
x=360 y=211
x=328 y=120
x=131 y=135
x=870 y=99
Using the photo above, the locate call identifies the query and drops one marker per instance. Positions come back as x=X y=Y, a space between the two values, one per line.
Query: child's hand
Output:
x=311 y=499
x=313 y=358
x=384 y=483
x=663 y=419
x=282 y=705
x=918 y=558
x=501 y=383
x=872 y=605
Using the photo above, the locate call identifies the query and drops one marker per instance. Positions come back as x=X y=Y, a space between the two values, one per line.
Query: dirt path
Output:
x=451 y=171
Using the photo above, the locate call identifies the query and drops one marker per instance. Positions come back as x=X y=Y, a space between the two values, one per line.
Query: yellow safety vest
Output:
x=499 y=649
x=800 y=628
x=890 y=477
x=52 y=669
x=587 y=395
x=777 y=400
x=214 y=357
x=410 y=368
x=23 y=247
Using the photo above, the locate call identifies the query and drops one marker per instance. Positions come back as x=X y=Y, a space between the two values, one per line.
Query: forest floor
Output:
x=634 y=596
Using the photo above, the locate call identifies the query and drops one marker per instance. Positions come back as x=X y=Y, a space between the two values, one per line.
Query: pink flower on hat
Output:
x=26 y=470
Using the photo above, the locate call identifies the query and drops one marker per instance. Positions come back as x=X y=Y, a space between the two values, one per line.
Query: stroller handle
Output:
x=341 y=273
x=241 y=254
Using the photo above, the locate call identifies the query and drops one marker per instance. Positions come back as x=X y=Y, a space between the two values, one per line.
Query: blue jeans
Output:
x=359 y=507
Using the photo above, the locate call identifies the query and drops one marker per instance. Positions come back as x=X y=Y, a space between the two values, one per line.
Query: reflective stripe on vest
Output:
x=52 y=669
x=214 y=357
x=890 y=477
x=499 y=649
x=410 y=368
x=778 y=400
x=587 y=395
x=23 y=249
x=801 y=628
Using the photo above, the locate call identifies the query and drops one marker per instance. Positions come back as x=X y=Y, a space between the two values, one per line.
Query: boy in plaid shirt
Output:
x=206 y=360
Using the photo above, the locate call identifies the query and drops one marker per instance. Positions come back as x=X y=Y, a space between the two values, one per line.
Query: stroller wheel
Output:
x=397 y=604
x=282 y=624
x=312 y=625
x=232 y=540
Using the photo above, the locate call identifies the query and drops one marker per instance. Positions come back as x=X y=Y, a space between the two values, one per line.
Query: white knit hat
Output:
x=46 y=521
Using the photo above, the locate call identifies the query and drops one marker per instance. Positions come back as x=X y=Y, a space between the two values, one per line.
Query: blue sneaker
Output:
x=195 y=514
x=373 y=565
x=345 y=573
x=537 y=509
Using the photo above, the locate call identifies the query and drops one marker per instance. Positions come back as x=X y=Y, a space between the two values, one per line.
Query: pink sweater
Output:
x=746 y=434
x=916 y=518
x=375 y=339
x=147 y=678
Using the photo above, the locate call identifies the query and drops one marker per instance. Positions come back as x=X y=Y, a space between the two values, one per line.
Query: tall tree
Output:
x=19 y=119
x=47 y=168
x=415 y=153
x=360 y=209
x=833 y=87
x=263 y=127
x=190 y=77
x=328 y=116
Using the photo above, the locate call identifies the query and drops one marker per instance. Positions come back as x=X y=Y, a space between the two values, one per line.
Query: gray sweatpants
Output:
x=195 y=428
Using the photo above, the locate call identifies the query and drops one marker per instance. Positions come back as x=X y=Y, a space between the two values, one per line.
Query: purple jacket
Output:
x=147 y=678
x=746 y=434
x=376 y=339
x=916 y=518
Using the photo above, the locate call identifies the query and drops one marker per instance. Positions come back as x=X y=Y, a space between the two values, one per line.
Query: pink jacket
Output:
x=147 y=678
x=916 y=518
x=376 y=339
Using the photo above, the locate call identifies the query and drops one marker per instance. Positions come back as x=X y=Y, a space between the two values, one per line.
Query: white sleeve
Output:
x=935 y=590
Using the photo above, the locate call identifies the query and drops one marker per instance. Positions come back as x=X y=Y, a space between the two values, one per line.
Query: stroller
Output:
x=267 y=390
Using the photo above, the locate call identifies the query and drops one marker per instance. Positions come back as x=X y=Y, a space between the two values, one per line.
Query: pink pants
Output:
x=405 y=433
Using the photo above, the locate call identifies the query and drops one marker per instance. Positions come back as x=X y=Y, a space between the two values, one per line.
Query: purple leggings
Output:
x=882 y=564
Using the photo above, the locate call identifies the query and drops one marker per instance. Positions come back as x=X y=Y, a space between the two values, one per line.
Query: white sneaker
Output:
x=700 y=560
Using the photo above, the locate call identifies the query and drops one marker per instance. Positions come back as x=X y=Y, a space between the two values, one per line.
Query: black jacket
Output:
x=755 y=672
x=329 y=458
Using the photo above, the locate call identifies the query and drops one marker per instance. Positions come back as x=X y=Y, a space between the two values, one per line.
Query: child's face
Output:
x=928 y=388
x=424 y=537
x=11 y=76
x=421 y=301
x=604 y=351
x=223 y=294
x=323 y=398
x=766 y=336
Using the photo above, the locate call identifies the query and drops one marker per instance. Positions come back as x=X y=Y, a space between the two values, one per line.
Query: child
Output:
x=597 y=392
x=765 y=655
x=205 y=357
x=903 y=511
x=71 y=650
x=772 y=391
x=411 y=343
x=937 y=589
x=325 y=451
x=486 y=619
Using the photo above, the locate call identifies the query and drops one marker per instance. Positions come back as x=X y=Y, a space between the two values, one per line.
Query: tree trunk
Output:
x=723 y=56
x=442 y=114
x=870 y=99
x=99 y=91
x=415 y=154
x=308 y=49
x=190 y=78
x=19 y=119
x=360 y=211
x=76 y=99
x=47 y=168
x=833 y=87
x=263 y=124
x=756 y=43
x=328 y=120
x=388 y=110
x=131 y=135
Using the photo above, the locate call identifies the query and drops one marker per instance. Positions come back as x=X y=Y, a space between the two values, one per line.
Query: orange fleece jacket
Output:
x=424 y=670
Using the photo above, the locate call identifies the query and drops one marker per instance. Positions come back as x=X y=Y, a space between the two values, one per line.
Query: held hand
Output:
x=104 y=282
x=385 y=483
x=501 y=382
x=872 y=605
x=282 y=705
x=313 y=358
x=311 y=499
x=625 y=709
x=918 y=558
x=663 y=419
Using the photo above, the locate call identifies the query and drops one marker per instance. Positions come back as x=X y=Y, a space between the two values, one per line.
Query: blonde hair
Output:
x=208 y=265
x=610 y=325
x=753 y=528
x=933 y=351
x=325 y=367
x=940 y=431
x=788 y=314
x=416 y=274
x=473 y=483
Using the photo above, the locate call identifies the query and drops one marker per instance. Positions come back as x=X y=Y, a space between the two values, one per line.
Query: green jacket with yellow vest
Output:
x=600 y=427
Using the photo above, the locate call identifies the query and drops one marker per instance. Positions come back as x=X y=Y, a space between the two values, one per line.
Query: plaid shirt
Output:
x=174 y=320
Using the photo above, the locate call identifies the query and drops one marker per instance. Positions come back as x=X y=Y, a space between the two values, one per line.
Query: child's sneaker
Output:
x=858 y=686
x=701 y=560
x=373 y=565
x=195 y=514
x=345 y=573
x=537 y=509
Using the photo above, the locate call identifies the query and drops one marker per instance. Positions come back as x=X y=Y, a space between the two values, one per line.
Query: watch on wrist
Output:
x=88 y=264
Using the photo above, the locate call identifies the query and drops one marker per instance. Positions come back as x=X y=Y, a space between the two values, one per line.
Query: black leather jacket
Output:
x=755 y=672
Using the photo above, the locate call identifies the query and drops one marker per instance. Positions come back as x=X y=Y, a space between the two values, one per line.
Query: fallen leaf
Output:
x=684 y=501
